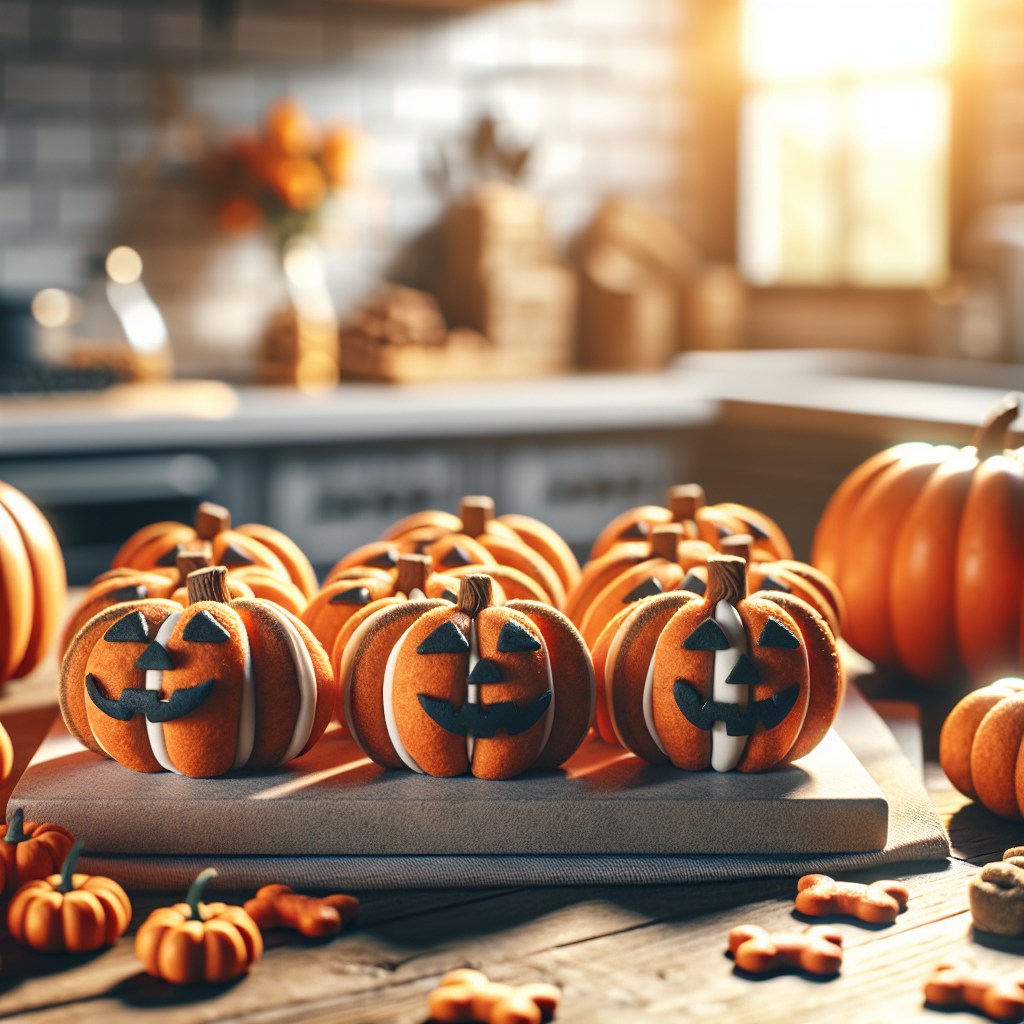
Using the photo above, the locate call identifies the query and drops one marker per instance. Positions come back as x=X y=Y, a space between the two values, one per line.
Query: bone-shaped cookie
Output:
x=876 y=903
x=956 y=982
x=818 y=950
x=996 y=895
x=467 y=995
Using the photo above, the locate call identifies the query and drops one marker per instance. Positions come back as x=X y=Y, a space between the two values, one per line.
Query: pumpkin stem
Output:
x=67 y=869
x=412 y=573
x=665 y=537
x=195 y=892
x=475 y=594
x=990 y=437
x=212 y=519
x=476 y=511
x=189 y=561
x=738 y=544
x=684 y=500
x=727 y=579
x=208 y=584
x=16 y=828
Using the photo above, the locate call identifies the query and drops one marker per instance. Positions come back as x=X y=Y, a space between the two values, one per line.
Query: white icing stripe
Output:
x=155 y=681
x=472 y=689
x=727 y=750
x=307 y=691
x=649 y=704
x=389 y=705
x=247 y=712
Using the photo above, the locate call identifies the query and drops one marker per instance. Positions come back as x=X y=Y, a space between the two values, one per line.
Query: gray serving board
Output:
x=334 y=801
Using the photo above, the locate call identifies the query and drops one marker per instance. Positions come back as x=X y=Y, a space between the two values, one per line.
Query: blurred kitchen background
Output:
x=329 y=263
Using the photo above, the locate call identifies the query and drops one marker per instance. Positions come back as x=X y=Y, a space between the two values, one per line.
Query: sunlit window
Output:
x=844 y=142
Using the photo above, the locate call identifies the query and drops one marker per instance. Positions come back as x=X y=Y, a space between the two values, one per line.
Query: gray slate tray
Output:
x=334 y=801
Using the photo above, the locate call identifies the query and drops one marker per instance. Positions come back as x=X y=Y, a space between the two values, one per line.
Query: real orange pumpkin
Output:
x=69 y=912
x=193 y=942
x=218 y=685
x=927 y=546
x=30 y=850
x=473 y=688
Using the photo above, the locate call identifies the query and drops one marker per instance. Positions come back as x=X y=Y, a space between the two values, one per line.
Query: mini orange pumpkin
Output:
x=29 y=851
x=726 y=681
x=218 y=685
x=475 y=688
x=33 y=584
x=69 y=912
x=980 y=747
x=251 y=544
x=193 y=942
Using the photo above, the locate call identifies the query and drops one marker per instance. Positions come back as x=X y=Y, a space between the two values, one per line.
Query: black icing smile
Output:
x=134 y=701
x=484 y=721
x=769 y=712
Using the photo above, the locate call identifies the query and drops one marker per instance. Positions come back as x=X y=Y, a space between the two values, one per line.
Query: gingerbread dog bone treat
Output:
x=996 y=895
x=956 y=982
x=818 y=950
x=277 y=906
x=467 y=995
x=877 y=903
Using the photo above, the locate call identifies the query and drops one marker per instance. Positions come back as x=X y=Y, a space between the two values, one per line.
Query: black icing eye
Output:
x=771 y=583
x=456 y=557
x=637 y=531
x=693 y=583
x=755 y=531
x=649 y=588
x=484 y=671
x=203 y=628
x=775 y=634
x=513 y=638
x=132 y=629
x=357 y=595
x=446 y=639
x=449 y=596
x=723 y=530
x=708 y=636
x=385 y=560
x=234 y=555
x=743 y=673
x=171 y=558
x=129 y=593
x=155 y=657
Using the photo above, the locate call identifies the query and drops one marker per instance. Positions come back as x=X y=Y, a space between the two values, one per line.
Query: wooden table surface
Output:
x=652 y=953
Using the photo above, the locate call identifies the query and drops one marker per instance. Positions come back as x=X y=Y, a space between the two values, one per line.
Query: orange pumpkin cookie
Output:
x=218 y=685
x=724 y=680
x=475 y=688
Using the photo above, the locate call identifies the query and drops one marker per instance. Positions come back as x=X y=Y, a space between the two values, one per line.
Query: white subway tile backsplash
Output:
x=422 y=101
x=85 y=206
x=40 y=265
x=232 y=97
x=47 y=84
x=14 y=21
x=15 y=206
x=63 y=145
x=279 y=36
x=177 y=30
x=93 y=26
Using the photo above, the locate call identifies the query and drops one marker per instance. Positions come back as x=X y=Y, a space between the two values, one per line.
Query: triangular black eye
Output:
x=449 y=596
x=446 y=639
x=129 y=593
x=457 y=556
x=234 y=555
x=771 y=583
x=754 y=530
x=155 y=656
x=693 y=583
x=132 y=629
x=646 y=589
x=743 y=673
x=203 y=628
x=513 y=638
x=357 y=595
x=637 y=530
x=484 y=671
x=385 y=560
x=708 y=636
x=775 y=634
x=723 y=530
x=171 y=558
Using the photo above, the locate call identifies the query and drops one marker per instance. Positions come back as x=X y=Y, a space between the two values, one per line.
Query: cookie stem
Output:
x=209 y=584
x=727 y=579
x=738 y=544
x=476 y=511
x=475 y=594
x=665 y=537
x=412 y=573
x=212 y=519
x=684 y=500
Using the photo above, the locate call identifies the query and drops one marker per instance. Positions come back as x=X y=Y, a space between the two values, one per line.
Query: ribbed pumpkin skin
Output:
x=926 y=544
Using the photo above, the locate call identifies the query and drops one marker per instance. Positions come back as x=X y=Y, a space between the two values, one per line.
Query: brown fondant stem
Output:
x=209 y=584
x=664 y=539
x=475 y=594
x=211 y=519
x=738 y=544
x=727 y=579
x=990 y=437
x=684 y=500
x=189 y=561
x=476 y=511
x=412 y=573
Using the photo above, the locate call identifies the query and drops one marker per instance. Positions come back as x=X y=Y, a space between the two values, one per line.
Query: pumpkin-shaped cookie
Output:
x=252 y=544
x=33 y=585
x=218 y=685
x=980 y=747
x=724 y=680
x=709 y=523
x=472 y=688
